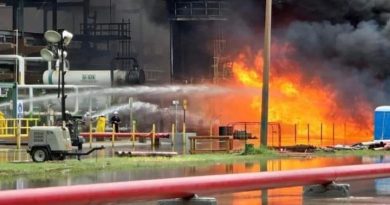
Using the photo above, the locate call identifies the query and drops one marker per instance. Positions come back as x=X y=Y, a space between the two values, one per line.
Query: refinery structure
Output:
x=194 y=102
x=114 y=45
x=198 y=63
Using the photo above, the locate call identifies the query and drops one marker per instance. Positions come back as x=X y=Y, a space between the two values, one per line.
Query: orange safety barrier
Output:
x=124 y=134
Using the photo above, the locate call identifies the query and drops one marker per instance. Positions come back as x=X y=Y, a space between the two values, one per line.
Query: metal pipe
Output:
x=21 y=64
x=31 y=95
x=125 y=134
x=38 y=59
x=189 y=186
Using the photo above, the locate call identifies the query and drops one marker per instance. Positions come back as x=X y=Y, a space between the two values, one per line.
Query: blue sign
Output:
x=19 y=109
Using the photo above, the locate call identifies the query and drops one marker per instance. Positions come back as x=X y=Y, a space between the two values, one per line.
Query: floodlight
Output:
x=52 y=36
x=175 y=102
x=67 y=36
x=47 y=54
x=60 y=53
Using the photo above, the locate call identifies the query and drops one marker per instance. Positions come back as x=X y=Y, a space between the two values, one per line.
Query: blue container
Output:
x=382 y=123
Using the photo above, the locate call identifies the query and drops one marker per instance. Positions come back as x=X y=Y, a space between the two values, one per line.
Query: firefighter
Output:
x=3 y=123
x=101 y=124
x=87 y=121
x=115 y=120
x=68 y=116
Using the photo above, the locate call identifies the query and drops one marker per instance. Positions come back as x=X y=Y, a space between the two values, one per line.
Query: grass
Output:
x=58 y=168
x=250 y=150
x=363 y=152
x=117 y=163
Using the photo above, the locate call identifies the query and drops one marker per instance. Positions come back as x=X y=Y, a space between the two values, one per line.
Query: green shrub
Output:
x=251 y=150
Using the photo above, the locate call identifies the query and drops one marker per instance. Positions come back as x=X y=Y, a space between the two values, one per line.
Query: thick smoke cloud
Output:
x=157 y=11
x=344 y=42
x=340 y=10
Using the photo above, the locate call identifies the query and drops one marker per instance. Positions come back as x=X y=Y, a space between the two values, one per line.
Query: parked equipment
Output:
x=52 y=143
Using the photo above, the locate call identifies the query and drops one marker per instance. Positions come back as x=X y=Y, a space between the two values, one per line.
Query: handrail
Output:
x=9 y=127
x=186 y=187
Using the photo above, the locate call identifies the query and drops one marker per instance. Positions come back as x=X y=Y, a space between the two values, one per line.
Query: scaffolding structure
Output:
x=91 y=32
x=211 y=11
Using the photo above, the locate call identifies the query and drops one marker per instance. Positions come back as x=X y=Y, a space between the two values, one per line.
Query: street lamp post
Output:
x=267 y=62
x=176 y=104
x=63 y=72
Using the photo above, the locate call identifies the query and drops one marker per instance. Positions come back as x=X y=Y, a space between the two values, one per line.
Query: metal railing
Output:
x=316 y=134
x=9 y=127
x=201 y=9
x=210 y=144
x=118 y=30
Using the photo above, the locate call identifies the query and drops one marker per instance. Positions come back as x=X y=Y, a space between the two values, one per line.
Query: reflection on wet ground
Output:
x=11 y=154
x=363 y=192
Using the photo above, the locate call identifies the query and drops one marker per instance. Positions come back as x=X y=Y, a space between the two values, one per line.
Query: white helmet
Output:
x=116 y=112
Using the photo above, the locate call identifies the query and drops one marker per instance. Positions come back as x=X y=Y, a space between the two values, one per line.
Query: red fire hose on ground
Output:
x=188 y=186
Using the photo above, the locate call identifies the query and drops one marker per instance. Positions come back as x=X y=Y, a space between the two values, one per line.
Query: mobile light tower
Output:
x=56 y=50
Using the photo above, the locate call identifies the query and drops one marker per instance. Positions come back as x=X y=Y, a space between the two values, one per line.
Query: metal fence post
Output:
x=153 y=136
x=295 y=133
x=308 y=134
x=133 y=133
x=173 y=134
x=113 y=136
x=333 y=134
x=321 y=135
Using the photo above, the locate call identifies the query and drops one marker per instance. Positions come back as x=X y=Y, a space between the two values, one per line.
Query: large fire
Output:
x=302 y=105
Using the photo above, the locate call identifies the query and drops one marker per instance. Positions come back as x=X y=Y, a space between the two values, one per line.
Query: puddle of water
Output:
x=378 y=190
x=14 y=155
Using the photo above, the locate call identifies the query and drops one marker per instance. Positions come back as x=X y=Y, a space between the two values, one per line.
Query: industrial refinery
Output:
x=207 y=102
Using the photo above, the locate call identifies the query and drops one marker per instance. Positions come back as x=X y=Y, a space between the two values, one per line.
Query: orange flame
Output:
x=297 y=100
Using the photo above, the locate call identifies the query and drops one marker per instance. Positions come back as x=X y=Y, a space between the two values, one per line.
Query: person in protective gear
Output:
x=68 y=116
x=3 y=123
x=115 y=120
x=101 y=124
x=87 y=121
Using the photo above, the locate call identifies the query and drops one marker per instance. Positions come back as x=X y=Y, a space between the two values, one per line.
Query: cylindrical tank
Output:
x=96 y=77
x=382 y=123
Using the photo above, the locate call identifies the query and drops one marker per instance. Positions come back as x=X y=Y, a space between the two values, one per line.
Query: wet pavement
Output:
x=362 y=192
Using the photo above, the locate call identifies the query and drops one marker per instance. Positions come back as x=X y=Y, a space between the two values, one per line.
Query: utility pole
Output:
x=267 y=62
